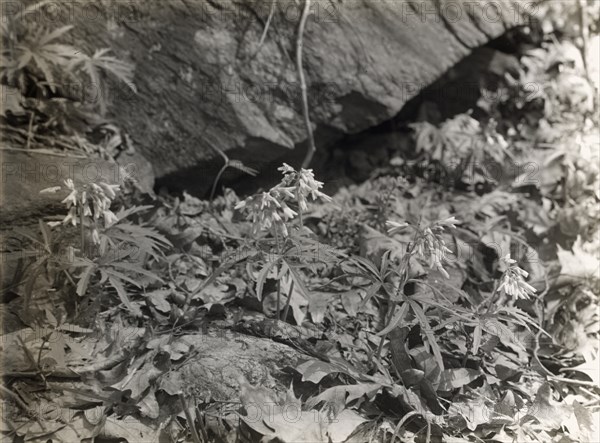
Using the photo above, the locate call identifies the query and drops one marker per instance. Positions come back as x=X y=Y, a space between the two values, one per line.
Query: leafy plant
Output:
x=35 y=56
x=465 y=150
x=112 y=250
x=270 y=212
x=99 y=64
x=38 y=51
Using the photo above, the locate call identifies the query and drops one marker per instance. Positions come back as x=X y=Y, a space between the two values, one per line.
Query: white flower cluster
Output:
x=271 y=210
x=512 y=281
x=92 y=201
x=267 y=210
x=430 y=241
x=300 y=185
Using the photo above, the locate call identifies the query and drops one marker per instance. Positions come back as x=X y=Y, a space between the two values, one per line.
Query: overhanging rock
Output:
x=205 y=80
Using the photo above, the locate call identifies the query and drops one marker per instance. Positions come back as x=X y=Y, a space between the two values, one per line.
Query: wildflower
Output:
x=95 y=236
x=71 y=216
x=271 y=210
x=100 y=201
x=300 y=185
x=449 y=222
x=91 y=201
x=110 y=190
x=395 y=227
x=266 y=212
x=512 y=280
x=286 y=169
x=109 y=218
x=51 y=190
x=430 y=242
x=71 y=199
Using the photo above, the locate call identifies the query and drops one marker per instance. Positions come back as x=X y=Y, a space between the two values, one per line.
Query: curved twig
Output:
x=541 y=317
x=299 y=43
x=216 y=182
x=583 y=25
x=266 y=29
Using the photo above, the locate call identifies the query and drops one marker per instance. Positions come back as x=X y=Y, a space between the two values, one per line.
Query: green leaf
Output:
x=262 y=276
x=137 y=270
x=456 y=378
x=476 y=339
x=395 y=321
x=314 y=370
x=318 y=305
x=426 y=329
x=47 y=234
x=298 y=281
x=373 y=289
x=115 y=274
x=159 y=300
x=342 y=395
x=344 y=424
x=366 y=265
x=584 y=418
x=122 y=293
x=53 y=35
x=84 y=280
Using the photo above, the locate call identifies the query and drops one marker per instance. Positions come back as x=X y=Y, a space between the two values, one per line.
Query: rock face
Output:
x=205 y=80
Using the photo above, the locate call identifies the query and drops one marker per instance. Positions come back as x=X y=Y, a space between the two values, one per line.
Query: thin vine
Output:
x=299 y=43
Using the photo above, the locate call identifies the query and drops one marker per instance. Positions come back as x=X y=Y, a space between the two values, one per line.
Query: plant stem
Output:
x=404 y=269
x=30 y=131
x=218 y=177
x=266 y=29
x=300 y=219
x=278 y=298
x=287 y=302
x=311 y=141
x=15 y=397
x=584 y=36
x=490 y=301
x=82 y=228
x=189 y=419
x=278 y=303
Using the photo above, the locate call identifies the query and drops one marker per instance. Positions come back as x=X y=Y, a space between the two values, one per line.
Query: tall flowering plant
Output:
x=428 y=242
x=512 y=282
x=274 y=212
x=271 y=211
x=120 y=248
x=89 y=204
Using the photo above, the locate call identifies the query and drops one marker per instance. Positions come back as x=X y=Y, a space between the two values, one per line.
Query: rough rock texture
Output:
x=203 y=79
x=223 y=357
x=215 y=360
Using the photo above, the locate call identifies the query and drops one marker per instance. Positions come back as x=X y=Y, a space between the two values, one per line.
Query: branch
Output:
x=266 y=29
x=311 y=141
x=584 y=36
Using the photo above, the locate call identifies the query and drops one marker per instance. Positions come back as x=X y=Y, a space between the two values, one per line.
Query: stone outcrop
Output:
x=204 y=80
